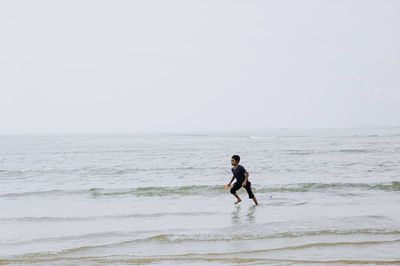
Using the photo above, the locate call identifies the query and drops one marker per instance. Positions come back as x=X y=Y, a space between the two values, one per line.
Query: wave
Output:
x=355 y=150
x=304 y=246
x=301 y=152
x=262 y=137
x=7 y=173
x=214 y=256
x=200 y=258
x=310 y=152
x=90 y=236
x=210 y=237
x=97 y=217
x=307 y=187
x=209 y=190
x=98 y=171
x=289 y=234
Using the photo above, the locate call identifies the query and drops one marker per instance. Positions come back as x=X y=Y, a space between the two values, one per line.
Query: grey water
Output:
x=326 y=197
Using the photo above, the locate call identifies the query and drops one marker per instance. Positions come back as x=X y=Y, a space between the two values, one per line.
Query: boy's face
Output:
x=233 y=162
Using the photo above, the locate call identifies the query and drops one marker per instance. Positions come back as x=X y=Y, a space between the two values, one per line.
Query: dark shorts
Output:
x=237 y=186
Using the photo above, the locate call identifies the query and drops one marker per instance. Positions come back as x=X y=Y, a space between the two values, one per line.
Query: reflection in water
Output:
x=250 y=214
x=250 y=217
x=236 y=215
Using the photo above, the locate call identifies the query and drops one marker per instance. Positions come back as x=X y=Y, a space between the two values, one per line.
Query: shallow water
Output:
x=159 y=199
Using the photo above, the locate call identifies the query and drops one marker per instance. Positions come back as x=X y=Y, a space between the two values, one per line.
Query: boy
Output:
x=242 y=180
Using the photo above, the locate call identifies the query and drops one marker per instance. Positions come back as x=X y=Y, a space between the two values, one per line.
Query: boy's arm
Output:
x=233 y=177
x=246 y=178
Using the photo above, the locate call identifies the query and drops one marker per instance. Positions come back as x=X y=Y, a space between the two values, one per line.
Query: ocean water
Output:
x=326 y=197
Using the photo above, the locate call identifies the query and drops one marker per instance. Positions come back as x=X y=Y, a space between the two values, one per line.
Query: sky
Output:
x=197 y=65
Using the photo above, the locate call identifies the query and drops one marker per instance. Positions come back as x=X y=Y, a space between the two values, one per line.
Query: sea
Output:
x=327 y=197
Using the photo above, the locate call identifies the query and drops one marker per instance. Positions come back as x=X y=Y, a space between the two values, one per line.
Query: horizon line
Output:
x=259 y=130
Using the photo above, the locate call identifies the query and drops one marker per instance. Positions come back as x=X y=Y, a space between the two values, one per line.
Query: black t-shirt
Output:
x=238 y=173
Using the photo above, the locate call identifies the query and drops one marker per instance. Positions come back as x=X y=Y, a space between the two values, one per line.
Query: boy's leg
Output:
x=251 y=195
x=255 y=200
x=234 y=188
x=238 y=198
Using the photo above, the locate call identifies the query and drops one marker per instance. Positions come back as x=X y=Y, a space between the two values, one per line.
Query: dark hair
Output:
x=236 y=157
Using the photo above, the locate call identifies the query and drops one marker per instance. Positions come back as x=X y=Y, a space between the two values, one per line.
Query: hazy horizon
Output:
x=189 y=66
x=362 y=130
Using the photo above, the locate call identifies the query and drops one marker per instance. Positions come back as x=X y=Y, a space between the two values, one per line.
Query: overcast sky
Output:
x=127 y=66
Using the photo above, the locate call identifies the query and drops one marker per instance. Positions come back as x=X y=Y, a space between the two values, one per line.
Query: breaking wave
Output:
x=210 y=190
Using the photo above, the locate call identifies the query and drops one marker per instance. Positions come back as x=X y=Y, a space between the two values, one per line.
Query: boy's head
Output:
x=235 y=159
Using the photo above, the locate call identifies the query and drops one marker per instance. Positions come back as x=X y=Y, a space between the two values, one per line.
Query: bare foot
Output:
x=238 y=201
x=255 y=200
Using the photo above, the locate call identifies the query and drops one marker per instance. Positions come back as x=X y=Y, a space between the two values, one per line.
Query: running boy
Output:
x=242 y=180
